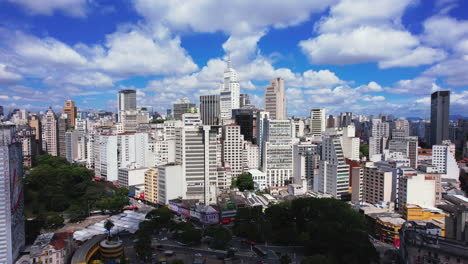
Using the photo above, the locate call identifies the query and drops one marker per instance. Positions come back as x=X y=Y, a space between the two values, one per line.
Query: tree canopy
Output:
x=244 y=182
x=326 y=227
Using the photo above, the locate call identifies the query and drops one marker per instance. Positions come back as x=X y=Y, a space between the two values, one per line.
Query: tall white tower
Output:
x=230 y=92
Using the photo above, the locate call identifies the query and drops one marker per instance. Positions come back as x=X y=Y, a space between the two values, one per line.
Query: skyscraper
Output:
x=12 y=237
x=196 y=151
x=127 y=101
x=334 y=172
x=317 y=121
x=440 y=107
x=232 y=153
x=230 y=92
x=62 y=125
x=50 y=133
x=275 y=99
x=278 y=152
x=70 y=109
x=209 y=109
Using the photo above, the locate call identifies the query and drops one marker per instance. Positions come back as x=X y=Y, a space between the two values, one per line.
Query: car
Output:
x=164 y=239
x=198 y=255
x=248 y=242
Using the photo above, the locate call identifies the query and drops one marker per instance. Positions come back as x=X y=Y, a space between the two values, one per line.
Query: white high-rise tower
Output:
x=230 y=92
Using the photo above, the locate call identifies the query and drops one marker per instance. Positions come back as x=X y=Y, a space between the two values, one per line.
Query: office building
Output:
x=233 y=149
x=246 y=119
x=380 y=132
x=151 y=185
x=418 y=189
x=251 y=156
x=50 y=133
x=306 y=159
x=12 y=234
x=30 y=146
x=440 y=108
x=182 y=107
x=130 y=177
x=443 y=158
x=317 y=121
x=171 y=183
x=127 y=102
x=278 y=153
x=209 y=109
x=333 y=177
x=275 y=99
x=70 y=110
x=230 y=93
x=357 y=184
x=62 y=127
x=262 y=119
x=196 y=151
x=377 y=184
x=350 y=143
x=244 y=100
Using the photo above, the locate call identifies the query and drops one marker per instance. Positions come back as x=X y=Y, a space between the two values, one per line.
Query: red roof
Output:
x=60 y=239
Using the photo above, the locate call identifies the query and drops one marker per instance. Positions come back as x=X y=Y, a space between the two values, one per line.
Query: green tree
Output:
x=244 y=182
x=108 y=225
x=220 y=236
x=363 y=150
x=187 y=233
x=54 y=221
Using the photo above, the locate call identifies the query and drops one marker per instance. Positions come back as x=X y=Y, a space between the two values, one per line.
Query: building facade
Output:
x=275 y=99
x=440 y=108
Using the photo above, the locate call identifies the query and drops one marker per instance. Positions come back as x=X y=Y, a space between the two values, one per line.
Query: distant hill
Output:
x=413 y=118
x=456 y=117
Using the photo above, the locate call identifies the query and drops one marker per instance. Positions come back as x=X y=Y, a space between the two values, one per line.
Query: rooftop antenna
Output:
x=229 y=61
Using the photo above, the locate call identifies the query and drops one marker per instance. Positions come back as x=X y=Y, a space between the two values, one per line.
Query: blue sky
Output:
x=363 y=56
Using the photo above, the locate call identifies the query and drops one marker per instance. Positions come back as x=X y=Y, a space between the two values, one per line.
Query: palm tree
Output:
x=108 y=225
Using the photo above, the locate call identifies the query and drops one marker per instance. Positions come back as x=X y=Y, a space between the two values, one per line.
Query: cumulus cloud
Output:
x=8 y=77
x=76 y=8
x=232 y=17
x=444 y=31
x=420 y=85
x=370 y=87
x=136 y=52
x=453 y=70
x=360 y=31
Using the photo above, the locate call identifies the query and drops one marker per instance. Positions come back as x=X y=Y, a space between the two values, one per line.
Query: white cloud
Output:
x=8 y=77
x=236 y=17
x=369 y=98
x=44 y=51
x=418 y=56
x=444 y=31
x=86 y=79
x=76 y=8
x=420 y=85
x=454 y=71
x=136 y=52
x=361 y=31
x=349 y=14
x=371 y=87
x=363 y=44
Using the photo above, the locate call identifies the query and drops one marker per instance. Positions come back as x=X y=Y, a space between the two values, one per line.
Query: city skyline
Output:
x=49 y=54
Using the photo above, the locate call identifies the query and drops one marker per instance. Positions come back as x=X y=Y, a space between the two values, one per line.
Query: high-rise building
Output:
x=1 y=111
x=230 y=93
x=232 y=153
x=306 y=157
x=127 y=101
x=443 y=158
x=209 y=109
x=334 y=172
x=275 y=99
x=245 y=118
x=317 y=121
x=50 y=133
x=244 y=100
x=182 y=107
x=62 y=128
x=380 y=132
x=196 y=151
x=377 y=184
x=278 y=152
x=350 y=143
x=419 y=189
x=12 y=234
x=30 y=144
x=70 y=109
x=440 y=108
x=262 y=119
x=151 y=185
